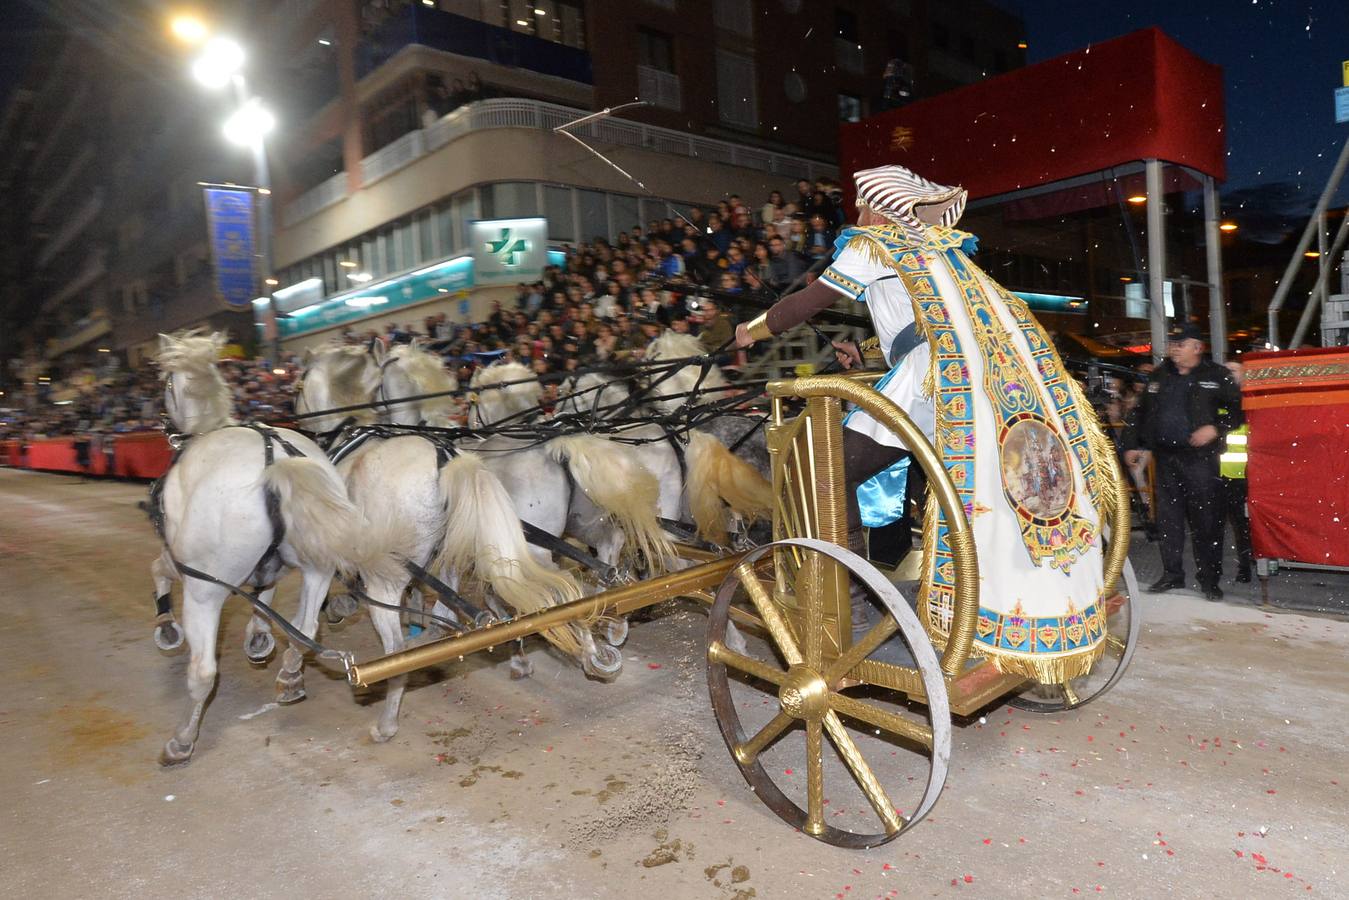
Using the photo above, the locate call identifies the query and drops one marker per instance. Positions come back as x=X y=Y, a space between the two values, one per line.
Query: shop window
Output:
x=557 y=209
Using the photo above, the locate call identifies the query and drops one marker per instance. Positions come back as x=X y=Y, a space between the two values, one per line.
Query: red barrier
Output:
x=142 y=455
x=139 y=455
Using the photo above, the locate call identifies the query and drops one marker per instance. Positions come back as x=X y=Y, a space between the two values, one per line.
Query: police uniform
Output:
x=1174 y=406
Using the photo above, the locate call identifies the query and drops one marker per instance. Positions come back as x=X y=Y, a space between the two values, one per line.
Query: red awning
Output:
x=1141 y=96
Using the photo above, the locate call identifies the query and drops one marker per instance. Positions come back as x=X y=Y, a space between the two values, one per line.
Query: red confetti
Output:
x=1090 y=738
x=969 y=879
x=1258 y=857
x=787 y=771
x=1080 y=793
x=653 y=665
x=987 y=841
x=1239 y=854
x=1271 y=791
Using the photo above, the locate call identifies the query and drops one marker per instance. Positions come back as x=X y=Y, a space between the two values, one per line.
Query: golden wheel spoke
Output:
x=772 y=616
x=882 y=719
x=1115 y=644
x=814 y=777
x=879 y=634
x=720 y=653
x=866 y=779
x=749 y=751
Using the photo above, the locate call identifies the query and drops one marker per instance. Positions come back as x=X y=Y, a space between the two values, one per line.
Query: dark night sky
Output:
x=1281 y=63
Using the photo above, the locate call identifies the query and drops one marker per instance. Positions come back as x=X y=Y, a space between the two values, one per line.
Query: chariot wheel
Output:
x=808 y=706
x=1123 y=624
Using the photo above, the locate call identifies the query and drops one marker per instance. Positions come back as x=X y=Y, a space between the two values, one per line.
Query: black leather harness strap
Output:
x=540 y=538
x=453 y=599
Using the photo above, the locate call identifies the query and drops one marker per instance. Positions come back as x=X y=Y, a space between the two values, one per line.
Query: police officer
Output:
x=1188 y=407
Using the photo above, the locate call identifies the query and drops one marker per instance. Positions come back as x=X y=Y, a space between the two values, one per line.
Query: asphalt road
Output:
x=1218 y=768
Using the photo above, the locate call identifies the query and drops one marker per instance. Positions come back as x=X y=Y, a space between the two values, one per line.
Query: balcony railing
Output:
x=391 y=157
x=537 y=115
x=315 y=200
x=72 y=227
x=659 y=88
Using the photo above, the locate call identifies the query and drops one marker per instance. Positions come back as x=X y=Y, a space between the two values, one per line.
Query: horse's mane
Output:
x=428 y=375
x=194 y=355
x=673 y=345
x=352 y=378
x=517 y=396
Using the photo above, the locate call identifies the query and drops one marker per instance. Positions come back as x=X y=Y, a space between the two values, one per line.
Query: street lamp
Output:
x=248 y=125
x=220 y=62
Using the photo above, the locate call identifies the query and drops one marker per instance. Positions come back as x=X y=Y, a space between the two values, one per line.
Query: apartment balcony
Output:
x=418 y=24
x=540 y=116
x=191 y=304
x=72 y=227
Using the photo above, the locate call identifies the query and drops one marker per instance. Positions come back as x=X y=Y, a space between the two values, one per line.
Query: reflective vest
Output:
x=1232 y=463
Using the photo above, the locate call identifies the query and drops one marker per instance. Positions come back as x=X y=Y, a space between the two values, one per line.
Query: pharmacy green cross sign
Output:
x=507 y=249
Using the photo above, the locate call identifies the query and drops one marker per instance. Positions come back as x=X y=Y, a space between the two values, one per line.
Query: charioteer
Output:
x=977 y=374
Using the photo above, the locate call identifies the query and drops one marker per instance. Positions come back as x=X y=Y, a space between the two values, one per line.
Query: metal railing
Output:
x=391 y=157
x=316 y=199
x=541 y=116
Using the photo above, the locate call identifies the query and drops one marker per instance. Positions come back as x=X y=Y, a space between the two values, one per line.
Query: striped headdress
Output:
x=909 y=200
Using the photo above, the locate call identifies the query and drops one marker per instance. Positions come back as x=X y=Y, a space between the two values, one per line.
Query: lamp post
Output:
x=221 y=63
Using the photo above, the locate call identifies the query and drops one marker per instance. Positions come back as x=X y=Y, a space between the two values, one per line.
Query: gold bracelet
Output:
x=758 y=328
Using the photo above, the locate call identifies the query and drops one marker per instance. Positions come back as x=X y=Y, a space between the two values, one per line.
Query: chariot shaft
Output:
x=616 y=602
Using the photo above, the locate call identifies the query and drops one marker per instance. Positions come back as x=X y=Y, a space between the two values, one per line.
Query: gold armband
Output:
x=758 y=328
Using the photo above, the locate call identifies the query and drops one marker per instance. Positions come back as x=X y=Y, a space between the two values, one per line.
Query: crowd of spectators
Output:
x=604 y=305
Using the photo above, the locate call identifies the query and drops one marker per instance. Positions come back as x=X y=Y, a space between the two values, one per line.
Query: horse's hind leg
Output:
x=168 y=634
x=258 y=641
x=290 y=680
x=202 y=603
x=390 y=629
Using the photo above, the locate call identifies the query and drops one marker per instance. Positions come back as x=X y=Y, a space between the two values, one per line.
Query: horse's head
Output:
x=409 y=371
x=592 y=394
x=671 y=386
x=196 y=397
x=493 y=403
x=336 y=376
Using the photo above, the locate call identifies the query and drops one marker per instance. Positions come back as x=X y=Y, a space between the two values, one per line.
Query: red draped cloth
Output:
x=1297 y=471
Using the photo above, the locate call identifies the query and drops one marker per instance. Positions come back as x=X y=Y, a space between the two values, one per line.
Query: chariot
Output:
x=824 y=688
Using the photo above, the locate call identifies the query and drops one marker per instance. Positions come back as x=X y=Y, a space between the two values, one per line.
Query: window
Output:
x=464 y=208
x=845 y=24
x=508 y=199
x=426 y=246
x=734 y=16
x=557 y=209
x=594 y=215
x=445 y=230
x=737 y=103
x=623 y=213
x=562 y=21
x=849 y=108
x=655 y=50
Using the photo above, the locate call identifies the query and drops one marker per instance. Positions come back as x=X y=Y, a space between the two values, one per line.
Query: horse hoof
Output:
x=175 y=753
x=289 y=687
x=259 y=646
x=168 y=636
x=379 y=736
x=343 y=606
x=521 y=668
x=605 y=663
x=614 y=630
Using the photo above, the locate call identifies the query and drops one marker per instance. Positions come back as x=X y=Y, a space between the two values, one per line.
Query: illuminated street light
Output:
x=360 y=277
x=219 y=62
x=1229 y=227
x=1136 y=199
x=347 y=263
x=1312 y=254
x=249 y=124
x=188 y=28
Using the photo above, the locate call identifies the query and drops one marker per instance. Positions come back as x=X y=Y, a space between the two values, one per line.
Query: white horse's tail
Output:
x=617 y=482
x=717 y=476
x=483 y=536
x=323 y=527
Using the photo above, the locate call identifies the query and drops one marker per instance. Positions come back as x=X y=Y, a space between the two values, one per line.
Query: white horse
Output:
x=440 y=508
x=216 y=503
x=617 y=505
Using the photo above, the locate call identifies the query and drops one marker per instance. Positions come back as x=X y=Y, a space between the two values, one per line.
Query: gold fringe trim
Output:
x=871 y=247
x=1044 y=668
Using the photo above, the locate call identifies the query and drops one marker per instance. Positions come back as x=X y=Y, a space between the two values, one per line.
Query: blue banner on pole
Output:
x=229 y=225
